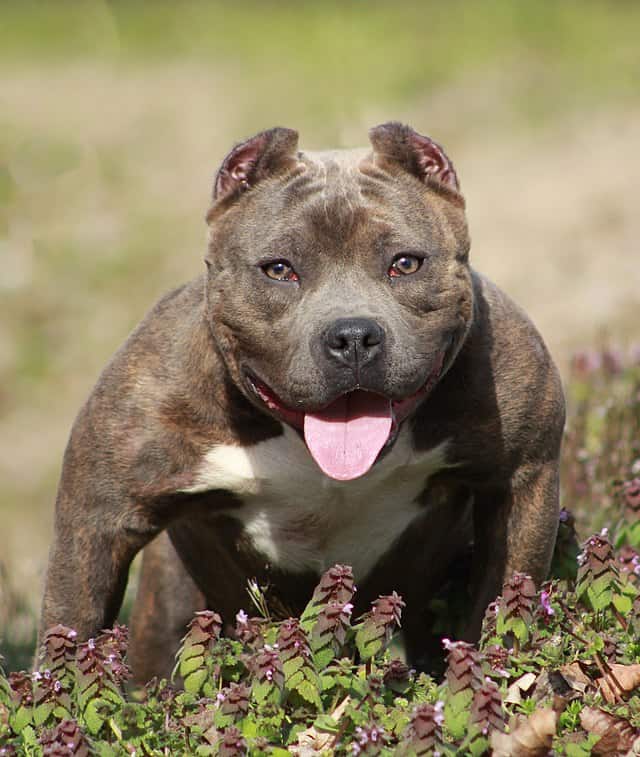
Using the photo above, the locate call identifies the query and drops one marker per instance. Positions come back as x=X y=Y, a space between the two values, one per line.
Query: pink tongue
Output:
x=346 y=437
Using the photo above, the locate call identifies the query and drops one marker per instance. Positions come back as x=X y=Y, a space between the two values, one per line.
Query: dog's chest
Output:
x=300 y=519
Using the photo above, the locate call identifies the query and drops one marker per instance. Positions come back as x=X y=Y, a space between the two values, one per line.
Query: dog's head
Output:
x=338 y=287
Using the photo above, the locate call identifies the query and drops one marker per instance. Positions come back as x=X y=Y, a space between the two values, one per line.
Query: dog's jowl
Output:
x=339 y=386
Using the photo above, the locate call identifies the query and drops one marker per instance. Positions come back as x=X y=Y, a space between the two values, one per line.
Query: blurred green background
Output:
x=114 y=117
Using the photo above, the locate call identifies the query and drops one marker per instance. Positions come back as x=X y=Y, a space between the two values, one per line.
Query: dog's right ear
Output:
x=264 y=155
x=419 y=155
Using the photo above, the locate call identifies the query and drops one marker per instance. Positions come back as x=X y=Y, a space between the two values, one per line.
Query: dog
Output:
x=339 y=386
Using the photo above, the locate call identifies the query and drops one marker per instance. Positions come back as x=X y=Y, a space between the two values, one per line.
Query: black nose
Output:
x=354 y=341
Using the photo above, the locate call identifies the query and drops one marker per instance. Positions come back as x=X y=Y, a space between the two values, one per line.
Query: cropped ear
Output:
x=249 y=162
x=418 y=155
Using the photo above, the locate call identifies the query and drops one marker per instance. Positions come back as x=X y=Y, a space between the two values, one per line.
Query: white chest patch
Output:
x=301 y=519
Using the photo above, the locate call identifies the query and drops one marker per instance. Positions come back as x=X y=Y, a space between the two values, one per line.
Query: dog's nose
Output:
x=354 y=341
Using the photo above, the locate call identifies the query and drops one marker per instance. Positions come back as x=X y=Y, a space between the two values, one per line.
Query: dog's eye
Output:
x=280 y=270
x=404 y=264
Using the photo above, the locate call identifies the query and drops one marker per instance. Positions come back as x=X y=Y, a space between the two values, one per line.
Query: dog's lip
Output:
x=272 y=402
x=401 y=408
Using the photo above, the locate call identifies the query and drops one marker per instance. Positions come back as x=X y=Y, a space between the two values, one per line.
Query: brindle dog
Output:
x=338 y=386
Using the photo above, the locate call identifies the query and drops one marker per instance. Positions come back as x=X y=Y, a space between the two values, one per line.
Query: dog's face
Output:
x=339 y=289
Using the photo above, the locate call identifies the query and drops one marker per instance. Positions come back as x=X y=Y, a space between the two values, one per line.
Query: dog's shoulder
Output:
x=525 y=380
x=162 y=398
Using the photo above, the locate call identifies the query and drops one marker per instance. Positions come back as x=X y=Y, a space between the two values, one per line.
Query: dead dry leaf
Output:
x=529 y=737
x=519 y=687
x=620 y=681
x=617 y=734
x=312 y=742
x=551 y=683
x=575 y=677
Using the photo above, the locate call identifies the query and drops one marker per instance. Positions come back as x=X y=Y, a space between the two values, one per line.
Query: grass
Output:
x=336 y=57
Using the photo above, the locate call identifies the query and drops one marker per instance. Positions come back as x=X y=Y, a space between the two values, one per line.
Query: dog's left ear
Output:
x=249 y=162
x=418 y=155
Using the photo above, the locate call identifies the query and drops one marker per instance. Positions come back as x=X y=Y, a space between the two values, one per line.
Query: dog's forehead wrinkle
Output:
x=340 y=200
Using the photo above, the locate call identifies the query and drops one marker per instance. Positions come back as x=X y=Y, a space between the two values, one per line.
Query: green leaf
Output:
x=323 y=657
x=41 y=713
x=622 y=603
x=190 y=664
x=112 y=694
x=478 y=746
x=292 y=666
x=293 y=681
x=86 y=694
x=369 y=641
x=327 y=682
x=584 y=748
x=457 y=713
x=249 y=728
x=222 y=720
x=21 y=718
x=310 y=614
x=263 y=691
x=30 y=739
x=519 y=629
x=599 y=600
x=210 y=688
x=308 y=691
x=193 y=682
x=326 y=723
x=633 y=534
x=92 y=718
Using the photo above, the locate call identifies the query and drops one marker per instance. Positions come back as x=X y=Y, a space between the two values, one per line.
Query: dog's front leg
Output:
x=514 y=531
x=94 y=543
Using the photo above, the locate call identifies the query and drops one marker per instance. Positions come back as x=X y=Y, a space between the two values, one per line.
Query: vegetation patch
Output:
x=557 y=668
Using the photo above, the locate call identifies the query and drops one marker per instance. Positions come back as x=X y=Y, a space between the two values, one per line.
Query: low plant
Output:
x=557 y=668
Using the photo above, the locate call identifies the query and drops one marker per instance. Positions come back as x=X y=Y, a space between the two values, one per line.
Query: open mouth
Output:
x=346 y=437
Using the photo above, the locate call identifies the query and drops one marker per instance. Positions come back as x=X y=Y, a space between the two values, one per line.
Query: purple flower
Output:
x=57 y=687
x=242 y=618
x=586 y=362
x=439 y=710
x=545 y=603
x=612 y=360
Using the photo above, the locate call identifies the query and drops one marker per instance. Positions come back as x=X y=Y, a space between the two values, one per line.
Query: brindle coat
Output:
x=174 y=444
